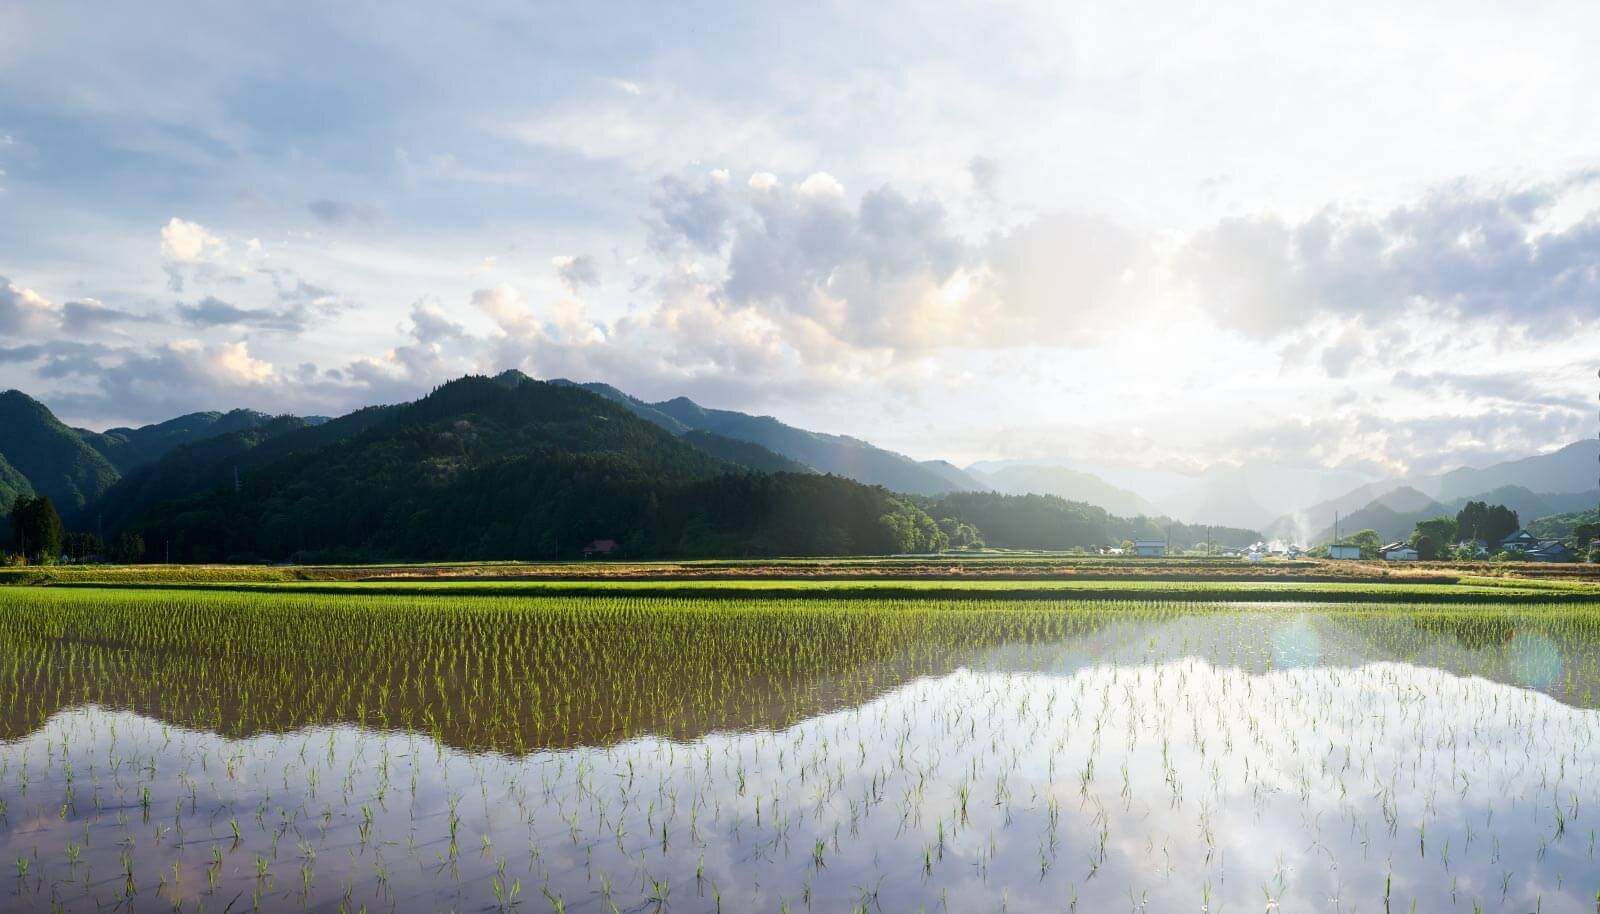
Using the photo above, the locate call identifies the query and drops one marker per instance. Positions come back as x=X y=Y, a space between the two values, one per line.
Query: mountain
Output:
x=1573 y=468
x=12 y=484
x=837 y=454
x=1557 y=477
x=54 y=459
x=127 y=448
x=1563 y=526
x=1393 y=514
x=1072 y=485
x=1050 y=522
x=744 y=454
x=494 y=468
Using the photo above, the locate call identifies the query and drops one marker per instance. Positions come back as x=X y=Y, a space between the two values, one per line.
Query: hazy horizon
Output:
x=1328 y=236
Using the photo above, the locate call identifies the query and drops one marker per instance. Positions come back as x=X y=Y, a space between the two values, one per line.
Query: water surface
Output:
x=641 y=756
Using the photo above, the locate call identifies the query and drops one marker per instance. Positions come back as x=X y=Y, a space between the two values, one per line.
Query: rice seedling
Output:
x=659 y=752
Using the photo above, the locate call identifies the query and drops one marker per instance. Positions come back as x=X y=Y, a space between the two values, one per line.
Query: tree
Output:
x=961 y=535
x=80 y=546
x=1431 y=536
x=1584 y=534
x=1478 y=520
x=1368 y=541
x=36 y=528
x=128 y=548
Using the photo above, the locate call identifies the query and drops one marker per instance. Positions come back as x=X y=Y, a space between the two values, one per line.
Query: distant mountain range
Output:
x=1556 y=483
x=119 y=475
x=840 y=455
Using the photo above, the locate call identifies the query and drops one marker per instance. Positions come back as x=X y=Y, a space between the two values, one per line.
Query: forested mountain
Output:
x=837 y=454
x=54 y=459
x=502 y=468
x=12 y=484
x=128 y=448
x=744 y=453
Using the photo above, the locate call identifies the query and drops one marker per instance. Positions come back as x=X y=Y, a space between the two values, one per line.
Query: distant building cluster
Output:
x=1521 y=544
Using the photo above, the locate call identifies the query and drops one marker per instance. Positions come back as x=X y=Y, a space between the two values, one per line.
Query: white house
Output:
x=1149 y=548
x=1344 y=551
x=1399 y=552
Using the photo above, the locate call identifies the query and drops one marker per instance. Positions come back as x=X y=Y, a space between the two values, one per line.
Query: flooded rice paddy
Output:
x=235 y=752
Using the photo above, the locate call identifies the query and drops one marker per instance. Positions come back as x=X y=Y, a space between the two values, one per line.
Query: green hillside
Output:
x=54 y=459
x=485 y=468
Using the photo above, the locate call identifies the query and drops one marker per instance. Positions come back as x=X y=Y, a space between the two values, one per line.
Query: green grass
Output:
x=1490 y=590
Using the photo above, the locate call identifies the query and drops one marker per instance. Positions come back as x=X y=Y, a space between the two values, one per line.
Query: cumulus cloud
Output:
x=1460 y=251
x=183 y=241
x=23 y=312
x=693 y=213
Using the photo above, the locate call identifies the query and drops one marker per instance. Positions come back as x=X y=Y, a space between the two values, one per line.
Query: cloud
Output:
x=696 y=214
x=23 y=312
x=190 y=242
x=1514 y=389
x=1459 y=252
x=577 y=271
x=214 y=312
x=339 y=212
x=91 y=316
x=985 y=173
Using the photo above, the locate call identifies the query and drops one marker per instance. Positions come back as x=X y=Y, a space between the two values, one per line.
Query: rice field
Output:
x=281 y=749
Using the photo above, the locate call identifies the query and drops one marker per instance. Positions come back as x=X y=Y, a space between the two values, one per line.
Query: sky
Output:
x=1341 y=235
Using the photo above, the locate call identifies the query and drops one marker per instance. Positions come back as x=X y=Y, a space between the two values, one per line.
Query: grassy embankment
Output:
x=1003 y=576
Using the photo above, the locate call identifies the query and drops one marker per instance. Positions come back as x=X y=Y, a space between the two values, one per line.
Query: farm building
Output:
x=600 y=548
x=1399 y=552
x=1344 y=551
x=1149 y=548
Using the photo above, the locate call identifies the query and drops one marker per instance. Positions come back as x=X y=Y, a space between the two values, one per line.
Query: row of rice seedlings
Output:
x=1120 y=771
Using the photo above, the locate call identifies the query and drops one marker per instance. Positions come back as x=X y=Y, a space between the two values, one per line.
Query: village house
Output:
x=600 y=549
x=1344 y=551
x=1521 y=541
x=1149 y=548
x=1550 y=551
x=1399 y=552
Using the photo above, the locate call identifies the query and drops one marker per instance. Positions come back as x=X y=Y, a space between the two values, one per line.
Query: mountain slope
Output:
x=52 y=457
x=1392 y=514
x=128 y=448
x=1573 y=468
x=1072 y=485
x=1556 y=477
x=498 y=468
x=12 y=484
x=837 y=454
x=744 y=453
